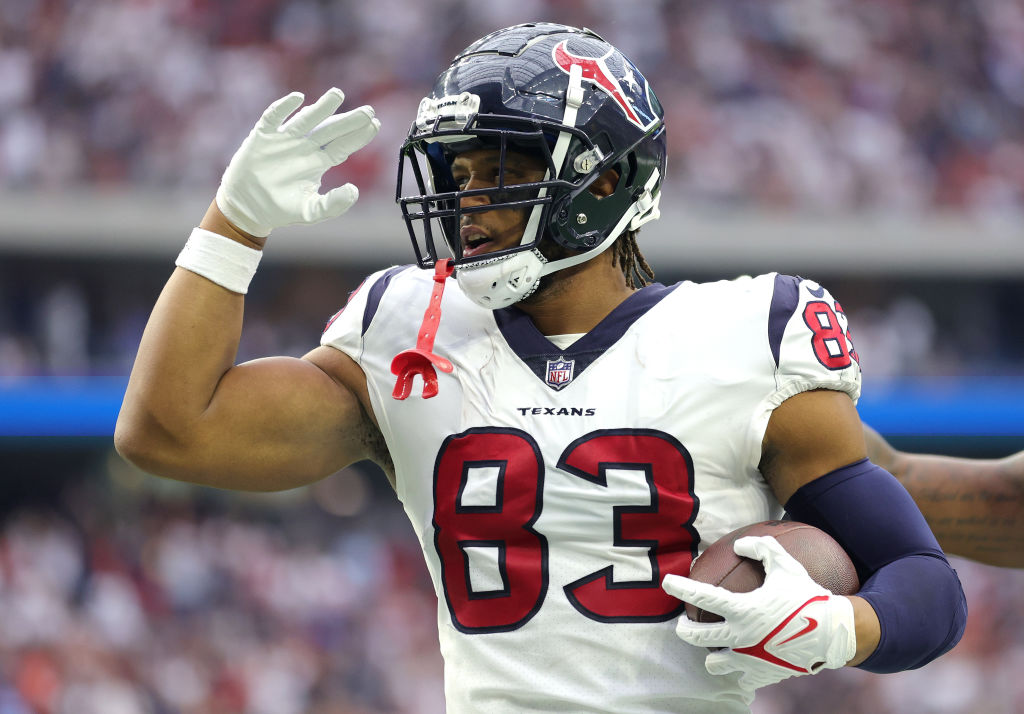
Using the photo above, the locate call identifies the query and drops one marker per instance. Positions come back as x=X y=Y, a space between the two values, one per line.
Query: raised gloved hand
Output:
x=273 y=179
x=789 y=626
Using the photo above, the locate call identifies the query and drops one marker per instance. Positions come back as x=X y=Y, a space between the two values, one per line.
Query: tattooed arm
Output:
x=975 y=507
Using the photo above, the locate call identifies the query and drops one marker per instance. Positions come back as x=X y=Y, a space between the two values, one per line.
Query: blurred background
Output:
x=874 y=145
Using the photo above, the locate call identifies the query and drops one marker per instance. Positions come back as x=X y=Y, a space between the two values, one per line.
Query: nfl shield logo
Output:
x=560 y=372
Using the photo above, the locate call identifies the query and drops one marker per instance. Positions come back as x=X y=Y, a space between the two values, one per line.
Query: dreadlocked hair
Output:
x=627 y=255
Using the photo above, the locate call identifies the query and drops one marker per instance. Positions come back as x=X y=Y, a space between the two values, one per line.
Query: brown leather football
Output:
x=826 y=562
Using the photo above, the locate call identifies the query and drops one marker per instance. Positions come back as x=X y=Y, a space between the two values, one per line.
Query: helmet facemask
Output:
x=437 y=206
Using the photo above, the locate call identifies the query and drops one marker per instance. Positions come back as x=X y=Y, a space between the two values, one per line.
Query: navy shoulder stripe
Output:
x=785 y=298
x=377 y=291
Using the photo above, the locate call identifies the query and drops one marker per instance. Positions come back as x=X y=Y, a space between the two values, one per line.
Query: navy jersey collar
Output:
x=536 y=351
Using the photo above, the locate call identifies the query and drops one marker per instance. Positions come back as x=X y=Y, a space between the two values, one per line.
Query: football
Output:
x=826 y=562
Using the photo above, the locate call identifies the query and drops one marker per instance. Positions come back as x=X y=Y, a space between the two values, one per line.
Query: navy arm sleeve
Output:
x=904 y=574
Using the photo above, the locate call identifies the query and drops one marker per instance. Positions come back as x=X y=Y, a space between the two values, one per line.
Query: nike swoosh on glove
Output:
x=790 y=626
x=274 y=178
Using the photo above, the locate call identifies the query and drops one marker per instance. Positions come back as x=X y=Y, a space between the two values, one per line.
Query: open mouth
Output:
x=474 y=241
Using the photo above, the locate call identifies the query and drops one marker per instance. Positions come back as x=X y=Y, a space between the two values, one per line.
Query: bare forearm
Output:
x=189 y=343
x=975 y=507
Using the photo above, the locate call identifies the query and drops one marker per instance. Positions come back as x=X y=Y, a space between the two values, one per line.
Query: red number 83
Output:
x=830 y=340
x=489 y=493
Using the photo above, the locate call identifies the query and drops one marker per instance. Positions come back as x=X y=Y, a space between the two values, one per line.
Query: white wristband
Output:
x=220 y=260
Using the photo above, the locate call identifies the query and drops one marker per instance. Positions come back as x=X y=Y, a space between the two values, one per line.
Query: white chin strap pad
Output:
x=501 y=282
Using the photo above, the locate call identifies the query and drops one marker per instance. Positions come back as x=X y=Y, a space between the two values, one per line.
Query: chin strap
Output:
x=574 y=96
x=643 y=210
x=421 y=360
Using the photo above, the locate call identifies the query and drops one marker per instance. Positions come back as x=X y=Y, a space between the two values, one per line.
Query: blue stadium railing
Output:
x=929 y=407
x=60 y=406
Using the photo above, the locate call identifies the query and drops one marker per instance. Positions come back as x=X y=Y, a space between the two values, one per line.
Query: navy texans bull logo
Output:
x=597 y=72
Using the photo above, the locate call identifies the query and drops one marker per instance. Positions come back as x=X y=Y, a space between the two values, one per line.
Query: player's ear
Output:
x=604 y=185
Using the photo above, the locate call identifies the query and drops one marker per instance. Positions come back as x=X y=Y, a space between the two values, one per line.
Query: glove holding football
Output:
x=274 y=178
x=790 y=626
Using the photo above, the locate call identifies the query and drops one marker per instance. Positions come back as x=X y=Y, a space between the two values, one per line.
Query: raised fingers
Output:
x=344 y=134
x=280 y=110
x=311 y=115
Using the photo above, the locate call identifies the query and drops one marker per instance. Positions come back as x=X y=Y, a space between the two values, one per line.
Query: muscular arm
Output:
x=190 y=414
x=910 y=608
x=808 y=436
x=975 y=507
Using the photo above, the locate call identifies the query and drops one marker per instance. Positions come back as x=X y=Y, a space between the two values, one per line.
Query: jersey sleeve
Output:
x=811 y=347
x=346 y=328
x=810 y=340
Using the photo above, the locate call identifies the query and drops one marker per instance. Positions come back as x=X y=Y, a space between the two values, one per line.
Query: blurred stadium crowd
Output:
x=883 y=104
x=169 y=603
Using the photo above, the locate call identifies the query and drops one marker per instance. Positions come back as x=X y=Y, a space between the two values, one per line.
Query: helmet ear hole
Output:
x=605 y=184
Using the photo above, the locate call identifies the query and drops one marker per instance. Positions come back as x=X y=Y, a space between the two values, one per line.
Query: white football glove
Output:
x=790 y=626
x=273 y=179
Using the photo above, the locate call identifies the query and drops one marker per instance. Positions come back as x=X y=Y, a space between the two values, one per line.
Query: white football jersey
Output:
x=552 y=489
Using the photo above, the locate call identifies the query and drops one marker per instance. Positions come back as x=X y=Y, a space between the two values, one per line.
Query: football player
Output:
x=565 y=438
